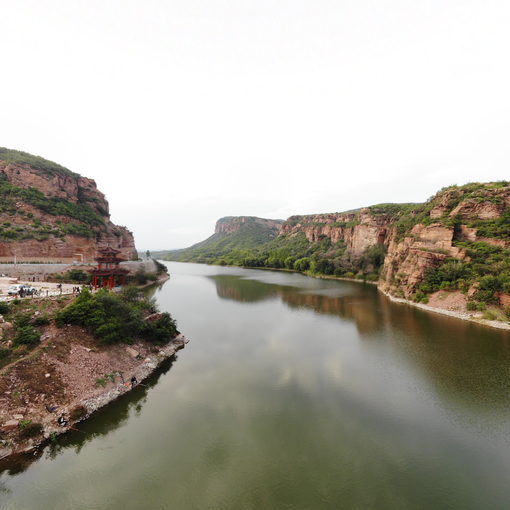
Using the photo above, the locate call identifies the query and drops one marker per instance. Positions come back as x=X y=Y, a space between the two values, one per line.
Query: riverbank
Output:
x=69 y=374
x=472 y=317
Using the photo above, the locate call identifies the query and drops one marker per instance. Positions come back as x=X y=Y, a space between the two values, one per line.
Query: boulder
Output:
x=10 y=425
x=132 y=352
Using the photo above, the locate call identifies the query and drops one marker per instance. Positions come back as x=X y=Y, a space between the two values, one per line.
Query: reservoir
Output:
x=293 y=393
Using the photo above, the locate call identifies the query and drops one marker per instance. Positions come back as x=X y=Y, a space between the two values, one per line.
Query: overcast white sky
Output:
x=184 y=111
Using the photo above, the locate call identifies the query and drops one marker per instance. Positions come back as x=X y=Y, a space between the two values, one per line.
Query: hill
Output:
x=230 y=234
x=49 y=212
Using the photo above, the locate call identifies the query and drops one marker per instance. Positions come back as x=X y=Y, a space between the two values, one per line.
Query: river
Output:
x=294 y=393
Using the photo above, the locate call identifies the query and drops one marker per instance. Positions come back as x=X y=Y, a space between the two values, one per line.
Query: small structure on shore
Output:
x=108 y=274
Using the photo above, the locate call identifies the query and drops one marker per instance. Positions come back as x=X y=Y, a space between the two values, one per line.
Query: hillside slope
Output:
x=49 y=212
x=231 y=233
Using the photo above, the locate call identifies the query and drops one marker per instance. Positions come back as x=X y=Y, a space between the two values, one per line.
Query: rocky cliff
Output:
x=48 y=212
x=457 y=242
x=232 y=224
x=358 y=230
x=452 y=250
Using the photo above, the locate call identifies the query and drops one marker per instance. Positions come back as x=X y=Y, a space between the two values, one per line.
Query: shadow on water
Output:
x=101 y=423
x=465 y=361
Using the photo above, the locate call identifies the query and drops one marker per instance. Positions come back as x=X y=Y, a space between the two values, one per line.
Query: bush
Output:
x=114 y=318
x=26 y=335
x=490 y=315
x=473 y=306
x=4 y=308
x=77 y=412
x=42 y=320
x=29 y=429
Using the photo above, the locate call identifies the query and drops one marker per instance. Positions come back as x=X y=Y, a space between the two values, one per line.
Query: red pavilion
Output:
x=108 y=274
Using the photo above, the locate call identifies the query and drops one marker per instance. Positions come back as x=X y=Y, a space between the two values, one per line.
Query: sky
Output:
x=185 y=111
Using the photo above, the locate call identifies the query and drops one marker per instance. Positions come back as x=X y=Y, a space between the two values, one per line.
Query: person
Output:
x=134 y=381
x=62 y=420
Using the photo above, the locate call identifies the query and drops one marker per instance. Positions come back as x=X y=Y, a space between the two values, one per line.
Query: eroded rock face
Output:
x=70 y=188
x=232 y=224
x=358 y=230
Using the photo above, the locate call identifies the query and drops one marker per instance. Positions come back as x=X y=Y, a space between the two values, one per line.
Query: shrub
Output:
x=4 y=308
x=26 y=335
x=77 y=412
x=114 y=318
x=490 y=315
x=30 y=429
x=42 y=320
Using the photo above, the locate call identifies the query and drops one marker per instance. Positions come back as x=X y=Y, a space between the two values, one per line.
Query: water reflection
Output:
x=467 y=362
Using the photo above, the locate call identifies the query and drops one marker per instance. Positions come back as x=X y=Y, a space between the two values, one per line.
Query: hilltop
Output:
x=231 y=233
x=49 y=212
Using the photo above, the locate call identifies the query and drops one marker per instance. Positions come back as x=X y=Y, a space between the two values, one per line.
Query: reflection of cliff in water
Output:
x=101 y=423
x=447 y=350
x=357 y=305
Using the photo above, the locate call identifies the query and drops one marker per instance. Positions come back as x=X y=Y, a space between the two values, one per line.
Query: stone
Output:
x=18 y=416
x=132 y=352
x=47 y=375
x=10 y=425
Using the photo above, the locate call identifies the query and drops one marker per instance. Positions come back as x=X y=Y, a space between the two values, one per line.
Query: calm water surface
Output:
x=294 y=393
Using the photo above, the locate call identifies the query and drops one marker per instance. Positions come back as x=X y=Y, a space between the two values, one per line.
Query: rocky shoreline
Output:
x=472 y=317
x=90 y=405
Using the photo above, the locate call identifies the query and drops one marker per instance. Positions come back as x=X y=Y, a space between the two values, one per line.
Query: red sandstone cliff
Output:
x=28 y=219
x=426 y=244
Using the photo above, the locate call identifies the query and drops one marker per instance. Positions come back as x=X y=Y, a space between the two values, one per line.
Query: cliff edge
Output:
x=48 y=212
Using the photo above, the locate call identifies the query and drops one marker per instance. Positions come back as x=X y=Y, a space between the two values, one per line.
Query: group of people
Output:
x=26 y=292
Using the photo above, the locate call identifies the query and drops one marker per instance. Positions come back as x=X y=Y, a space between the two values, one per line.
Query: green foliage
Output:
x=23 y=158
x=30 y=429
x=74 y=276
x=4 y=308
x=114 y=318
x=25 y=333
x=86 y=217
x=142 y=278
x=249 y=237
x=41 y=320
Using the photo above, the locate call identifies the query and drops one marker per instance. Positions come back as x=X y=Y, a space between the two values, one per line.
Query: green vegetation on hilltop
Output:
x=249 y=236
x=24 y=158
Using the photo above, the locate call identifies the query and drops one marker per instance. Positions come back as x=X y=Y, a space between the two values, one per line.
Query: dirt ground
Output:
x=66 y=368
x=454 y=301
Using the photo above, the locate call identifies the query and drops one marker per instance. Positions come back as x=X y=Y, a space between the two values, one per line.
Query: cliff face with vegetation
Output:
x=451 y=252
x=47 y=211
x=231 y=233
